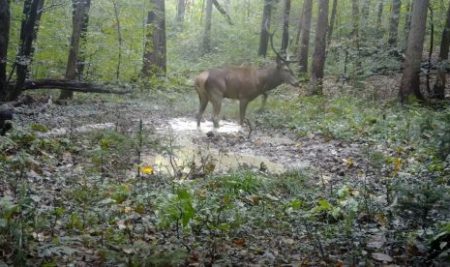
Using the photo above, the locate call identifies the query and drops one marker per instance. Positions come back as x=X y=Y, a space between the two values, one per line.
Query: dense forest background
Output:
x=102 y=164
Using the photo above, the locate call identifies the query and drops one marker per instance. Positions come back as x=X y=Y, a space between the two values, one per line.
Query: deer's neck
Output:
x=269 y=78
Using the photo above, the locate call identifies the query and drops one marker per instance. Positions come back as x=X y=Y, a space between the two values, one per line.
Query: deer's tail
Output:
x=200 y=85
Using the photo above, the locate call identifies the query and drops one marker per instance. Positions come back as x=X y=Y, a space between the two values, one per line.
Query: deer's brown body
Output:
x=242 y=83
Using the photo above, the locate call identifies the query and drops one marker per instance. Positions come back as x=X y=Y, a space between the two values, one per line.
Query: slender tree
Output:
x=332 y=21
x=305 y=33
x=265 y=27
x=394 y=21
x=28 y=33
x=410 y=83
x=155 y=43
x=365 y=15
x=299 y=31
x=80 y=15
x=319 y=48
x=356 y=36
x=181 y=10
x=380 y=13
x=285 y=37
x=4 y=41
x=208 y=21
x=439 y=86
x=119 y=37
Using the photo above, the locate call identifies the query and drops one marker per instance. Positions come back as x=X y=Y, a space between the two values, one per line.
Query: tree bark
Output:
x=4 y=41
x=410 y=83
x=332 y=21
x=393 y=25
x=223 y=12
x=80 y=14
x=265 y=26
x=407 y=25
x=119 y=37
x=365 y=15
x=285 y=37
x=76 y=86
x=439 y=86
x=304 y=43
x=155 y=43
x=380 y=13
x=355 y=36
x=319 y=48
x=28 y=33
x=181 y=10
x=208 y=21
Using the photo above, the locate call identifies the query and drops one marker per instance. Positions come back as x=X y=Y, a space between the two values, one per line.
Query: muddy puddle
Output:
x=227 y=148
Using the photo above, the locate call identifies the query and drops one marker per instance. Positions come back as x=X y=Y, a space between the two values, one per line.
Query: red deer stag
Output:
x=242 y=83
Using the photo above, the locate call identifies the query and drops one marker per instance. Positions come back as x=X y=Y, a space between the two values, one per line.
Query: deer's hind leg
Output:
x=216 y=100
x=203 y=104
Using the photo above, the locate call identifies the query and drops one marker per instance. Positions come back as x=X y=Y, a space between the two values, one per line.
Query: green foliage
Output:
x=177 y=208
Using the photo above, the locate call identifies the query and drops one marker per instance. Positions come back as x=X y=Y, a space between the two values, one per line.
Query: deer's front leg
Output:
x=242 y=107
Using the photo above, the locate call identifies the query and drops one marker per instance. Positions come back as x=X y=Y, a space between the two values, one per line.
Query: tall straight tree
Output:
x=365 y=15
x=356 y=35
x=319 y=48
x=332 y=21
x=28 y=33
x=80 y=16
x=410 y=83
x=208 y=21
x=393 y=24
x=155 y=61
x=380 y=13
x=5 y=20
x=181 y=10
x=285 y=37
x=439 y=86
x=407 y=22
x=305 y=33
x=265 y=27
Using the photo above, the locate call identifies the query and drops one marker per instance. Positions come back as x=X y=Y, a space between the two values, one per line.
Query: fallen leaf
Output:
x=239 y=241
x=381 y=257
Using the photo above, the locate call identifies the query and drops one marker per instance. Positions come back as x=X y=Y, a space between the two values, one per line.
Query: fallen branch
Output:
x=76 y=86
x=223 y=12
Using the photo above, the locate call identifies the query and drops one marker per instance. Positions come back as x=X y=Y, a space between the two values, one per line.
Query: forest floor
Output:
x=255 y=195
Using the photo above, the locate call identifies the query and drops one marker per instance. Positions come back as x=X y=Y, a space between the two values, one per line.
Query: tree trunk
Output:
x=306 y=29
x=77 y=86
x=439 y=86
x=299 y=31
x=119 y=37
x=365 y=11
x=410 y=83
x=355 y=37
x=208 y=21
x=319 y=48
x=380 y=13
x=265 y=26
x=155 y=43
x=285 y=37
x=4 y=41
x=222 y=11
x=227 y=4
x=407 y=25
x=28 y=33
x=393 y=25
x=365 y=15
x=80 y=14
x=332 y=21
x=181 y=10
